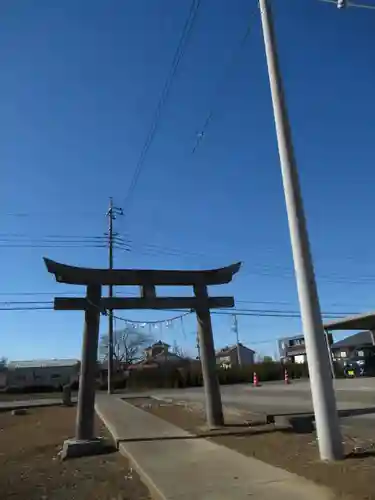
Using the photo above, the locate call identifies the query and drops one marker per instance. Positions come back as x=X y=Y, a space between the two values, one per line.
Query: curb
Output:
x=4 y=409
x=155 y=493
x=111 y=430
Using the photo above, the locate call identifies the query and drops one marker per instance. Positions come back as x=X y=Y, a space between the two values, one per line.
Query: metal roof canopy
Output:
x=359 y=322
x=86 y=276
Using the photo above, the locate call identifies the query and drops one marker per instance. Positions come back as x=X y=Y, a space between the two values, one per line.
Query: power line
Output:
x=131 y=293
x=18 y=294
x=258 y=270
x=52 y=236
x=220 y=313
x=126 y=244
x=20 y=240
x=48 y=245
x=222 y=86
x=21 y=308
x=64 y=213
x=179 y=53
x=342 y=4
x=237 y=311
x=25 y=302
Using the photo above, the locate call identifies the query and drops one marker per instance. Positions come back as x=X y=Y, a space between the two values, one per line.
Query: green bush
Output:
x=191 y=376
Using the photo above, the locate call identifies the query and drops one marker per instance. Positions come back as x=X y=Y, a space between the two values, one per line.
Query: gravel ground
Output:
x=30 y=468
x=351 y=478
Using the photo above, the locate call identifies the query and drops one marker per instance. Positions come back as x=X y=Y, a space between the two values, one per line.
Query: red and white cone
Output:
x=255 y=380
x=286 y=377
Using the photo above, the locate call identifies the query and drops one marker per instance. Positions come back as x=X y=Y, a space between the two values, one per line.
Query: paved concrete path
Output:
x=176 y=465
x=356 y=394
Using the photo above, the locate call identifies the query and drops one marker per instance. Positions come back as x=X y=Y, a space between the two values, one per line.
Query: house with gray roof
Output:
x=361 y=341
x=229 y=356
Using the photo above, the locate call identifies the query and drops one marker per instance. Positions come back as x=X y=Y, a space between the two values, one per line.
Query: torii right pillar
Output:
x=214 y=409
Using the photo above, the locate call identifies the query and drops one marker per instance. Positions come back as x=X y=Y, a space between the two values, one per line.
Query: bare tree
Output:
x=128 y=345
x=259 y=357
x=176 y=349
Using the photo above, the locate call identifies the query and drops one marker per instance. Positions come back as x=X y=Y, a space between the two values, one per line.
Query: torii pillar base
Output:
x=75 y=448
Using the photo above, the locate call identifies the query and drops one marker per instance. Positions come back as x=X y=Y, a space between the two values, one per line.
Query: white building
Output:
x=41 y=373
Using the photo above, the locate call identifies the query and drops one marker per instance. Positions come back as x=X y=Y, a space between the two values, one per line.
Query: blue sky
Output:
x=80 y=82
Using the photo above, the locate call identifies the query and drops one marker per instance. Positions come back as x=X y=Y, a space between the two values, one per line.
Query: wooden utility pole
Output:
x=111 y=214
x=235 y=328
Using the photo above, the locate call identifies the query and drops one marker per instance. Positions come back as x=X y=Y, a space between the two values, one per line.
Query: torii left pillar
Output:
x=85 y=442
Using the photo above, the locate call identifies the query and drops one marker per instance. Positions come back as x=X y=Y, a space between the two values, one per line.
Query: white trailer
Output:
x=41 y=373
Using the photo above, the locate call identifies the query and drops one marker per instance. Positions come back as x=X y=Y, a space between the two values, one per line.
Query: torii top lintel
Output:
x=88 y=276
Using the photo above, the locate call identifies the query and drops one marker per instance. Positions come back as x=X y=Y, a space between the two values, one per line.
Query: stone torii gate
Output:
x=94 y=304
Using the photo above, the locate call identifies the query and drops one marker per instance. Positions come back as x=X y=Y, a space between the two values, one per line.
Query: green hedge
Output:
x=169 y=377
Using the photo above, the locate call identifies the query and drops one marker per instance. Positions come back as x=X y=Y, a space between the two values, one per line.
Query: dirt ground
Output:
x=30 y=468
x=351 y=478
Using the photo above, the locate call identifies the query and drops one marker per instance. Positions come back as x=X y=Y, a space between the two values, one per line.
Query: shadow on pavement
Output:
x=204 y=435
x=361 y=454
x=342 y=413
x=356 y=412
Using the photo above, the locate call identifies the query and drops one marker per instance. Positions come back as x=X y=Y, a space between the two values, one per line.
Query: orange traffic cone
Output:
x=286 y=377
x=255 y=380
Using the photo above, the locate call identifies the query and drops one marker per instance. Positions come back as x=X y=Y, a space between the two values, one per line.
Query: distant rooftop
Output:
x=358 y=322
x=359 y=339
x=41 y=363
x=159 y=343
x=225 y=351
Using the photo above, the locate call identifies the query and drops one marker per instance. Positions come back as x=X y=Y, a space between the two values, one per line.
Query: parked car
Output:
x=360 y=364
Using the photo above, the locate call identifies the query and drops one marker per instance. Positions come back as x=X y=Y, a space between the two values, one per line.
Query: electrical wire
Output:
x=231 y=311
x=135 y=294
x=126 y=244
x=179 y=53
x=262 y=270
x=222 y=85
x=14 y=240
x=20 y=294
x=350 y=4
x=34 y=308
x=46 y=245
x=58 y=236
x=280 y=315
x=64 y=213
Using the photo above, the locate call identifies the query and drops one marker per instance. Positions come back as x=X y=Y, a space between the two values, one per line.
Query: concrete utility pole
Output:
x=111 y=214
x=235 y=328
x=323 y=396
